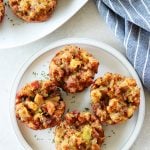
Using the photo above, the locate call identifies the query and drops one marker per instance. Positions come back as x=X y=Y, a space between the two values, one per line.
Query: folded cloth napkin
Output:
x=130 y=21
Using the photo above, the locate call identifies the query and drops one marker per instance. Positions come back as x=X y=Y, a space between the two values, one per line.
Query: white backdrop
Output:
x=86 y=23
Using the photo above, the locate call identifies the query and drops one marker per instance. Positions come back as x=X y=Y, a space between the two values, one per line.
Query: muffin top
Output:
x=79 y=131
x=33 y=10
x=73 y=69
x=114 y=98
x=39 y=105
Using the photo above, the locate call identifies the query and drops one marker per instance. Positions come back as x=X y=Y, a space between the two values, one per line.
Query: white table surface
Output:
x=86 y=23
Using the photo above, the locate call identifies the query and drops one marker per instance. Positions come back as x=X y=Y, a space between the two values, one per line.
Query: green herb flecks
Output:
x=44 y=75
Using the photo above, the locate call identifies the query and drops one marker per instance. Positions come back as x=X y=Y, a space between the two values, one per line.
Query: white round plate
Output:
x=15 y=32
x=118 y=137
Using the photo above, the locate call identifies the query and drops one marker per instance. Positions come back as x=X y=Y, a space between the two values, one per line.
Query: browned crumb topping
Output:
x=79 y=131
x=2 y=10
x=39 y=105
x=114 y=98
x=73 y=68
x=33 y=10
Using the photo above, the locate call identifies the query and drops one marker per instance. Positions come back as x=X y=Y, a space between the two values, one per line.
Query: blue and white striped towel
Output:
x=130 y=21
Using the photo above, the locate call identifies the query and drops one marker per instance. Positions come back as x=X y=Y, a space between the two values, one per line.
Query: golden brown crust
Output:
x=39 y=105
x=114 y=98
x=2 y=10
x=33 y=10
x=79 y=131
x=73 y=69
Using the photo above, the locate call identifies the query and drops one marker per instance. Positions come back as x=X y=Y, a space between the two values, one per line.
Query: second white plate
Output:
x=15 y=32
x=118 y=137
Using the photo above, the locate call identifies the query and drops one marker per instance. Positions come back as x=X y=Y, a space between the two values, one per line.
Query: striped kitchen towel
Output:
x=130 y=21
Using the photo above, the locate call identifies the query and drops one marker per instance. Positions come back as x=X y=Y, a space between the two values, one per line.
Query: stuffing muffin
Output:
x=114 y=98
x=79 y=131
x=73 y=69
x=39 y=105
x=2 y=10
x=33 y=10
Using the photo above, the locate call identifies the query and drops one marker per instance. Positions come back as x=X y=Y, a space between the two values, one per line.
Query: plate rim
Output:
x=107 y=48
x=44 y=34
